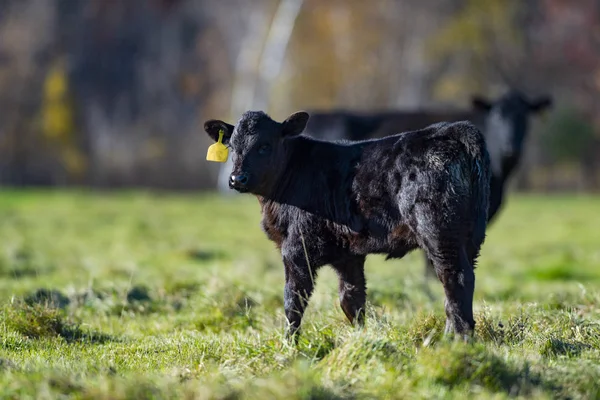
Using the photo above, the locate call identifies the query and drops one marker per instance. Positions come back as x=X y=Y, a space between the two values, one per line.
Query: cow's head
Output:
x=259 y=150
x=506 y=127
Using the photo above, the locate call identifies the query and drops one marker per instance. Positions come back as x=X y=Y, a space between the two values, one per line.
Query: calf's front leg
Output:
x=299 y=285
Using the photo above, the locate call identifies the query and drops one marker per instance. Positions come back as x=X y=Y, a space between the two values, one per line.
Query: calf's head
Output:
x=260 y=148
x=507 y=124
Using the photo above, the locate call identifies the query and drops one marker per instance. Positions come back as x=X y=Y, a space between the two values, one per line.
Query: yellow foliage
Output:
x=73 y=161
x=55 y=87
x=482 y=32
x=57 y=112
x=448 y=88
x=453 y=88
x=57 y=122
x=476 y=27
x=334 y=46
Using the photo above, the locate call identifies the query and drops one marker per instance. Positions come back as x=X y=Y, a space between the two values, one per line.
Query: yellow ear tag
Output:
x=218 y=152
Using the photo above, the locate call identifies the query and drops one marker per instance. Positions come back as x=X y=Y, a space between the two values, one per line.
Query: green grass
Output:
x=135 y=295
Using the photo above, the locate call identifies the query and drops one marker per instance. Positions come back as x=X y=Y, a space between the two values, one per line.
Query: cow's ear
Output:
x=540 y=104
x=213 y=127
x=295 y=124
x=479 y=103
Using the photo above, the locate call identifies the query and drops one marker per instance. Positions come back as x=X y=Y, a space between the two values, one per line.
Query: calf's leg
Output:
x=352 y=287
x=458 y=278
x=299 y=285
x=441 y=234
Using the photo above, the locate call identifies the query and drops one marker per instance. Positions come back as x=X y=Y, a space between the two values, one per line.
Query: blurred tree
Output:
x=568 y=136
x=359 y=55
x=142 y=73
x=569 y=139
x=140 y=76
x=25 y=35
x=480 y=44
x=565 y=56
x=58 y=125
x=259 y=63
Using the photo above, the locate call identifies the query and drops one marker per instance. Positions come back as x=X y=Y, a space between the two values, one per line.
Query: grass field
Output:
x=135 y=295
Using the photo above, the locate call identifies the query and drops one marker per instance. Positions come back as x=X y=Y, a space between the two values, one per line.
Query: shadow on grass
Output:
x=47 y=297
x=480 y=363
x=37 y=321
x=204 y=255
x=457 y=365
x=556 y=347
x=22 y=264
x=140 y=300
x=233 y=308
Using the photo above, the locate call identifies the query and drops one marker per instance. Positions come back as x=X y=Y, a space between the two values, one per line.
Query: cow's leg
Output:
x=496 y=197
x=352 y=287
x=455 y=271
x=299 y=285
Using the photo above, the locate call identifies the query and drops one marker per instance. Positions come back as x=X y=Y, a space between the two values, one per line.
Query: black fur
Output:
x=503 y=122
x=333 y=203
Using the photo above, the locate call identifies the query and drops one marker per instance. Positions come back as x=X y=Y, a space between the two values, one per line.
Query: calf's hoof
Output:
x=292 y=335
x=460 y=332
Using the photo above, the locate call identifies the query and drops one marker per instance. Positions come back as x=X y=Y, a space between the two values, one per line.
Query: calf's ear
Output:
x=214 y=126
x=295 y=124
x=540 y=104
x=479 y=103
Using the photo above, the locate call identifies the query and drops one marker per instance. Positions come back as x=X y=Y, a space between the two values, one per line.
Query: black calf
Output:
x=333 y=203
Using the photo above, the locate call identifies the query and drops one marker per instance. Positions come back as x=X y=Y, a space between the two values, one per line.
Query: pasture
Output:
x=138 y=295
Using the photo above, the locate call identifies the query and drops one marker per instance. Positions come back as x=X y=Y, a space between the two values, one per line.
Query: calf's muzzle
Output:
x=238 y=182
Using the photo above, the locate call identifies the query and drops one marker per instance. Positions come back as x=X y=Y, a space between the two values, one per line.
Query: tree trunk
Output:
x=251 y=90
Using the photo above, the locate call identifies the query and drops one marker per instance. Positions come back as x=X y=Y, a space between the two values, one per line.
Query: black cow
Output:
x=333 y=203
x=355 y=125
x=504 y=123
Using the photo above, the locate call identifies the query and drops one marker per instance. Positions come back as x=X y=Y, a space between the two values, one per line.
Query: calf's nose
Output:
x=238 y=181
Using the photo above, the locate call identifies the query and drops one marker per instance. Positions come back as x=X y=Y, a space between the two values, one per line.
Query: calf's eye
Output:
x=264 y=149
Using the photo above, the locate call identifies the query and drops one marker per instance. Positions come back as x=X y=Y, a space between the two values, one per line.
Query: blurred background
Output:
x=113 y=93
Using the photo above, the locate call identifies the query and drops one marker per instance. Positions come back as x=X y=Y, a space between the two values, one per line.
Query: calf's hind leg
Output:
x=352 y=289
x=455 y=271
